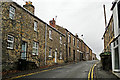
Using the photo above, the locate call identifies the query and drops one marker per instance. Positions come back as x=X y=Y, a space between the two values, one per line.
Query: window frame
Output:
x=9 y=41
x=11 y=12
x=69 y=38
x=50 y=34
x=50 y=52
x=60 y=39
x=60 y=55
x=35 y=26
x=35 y=47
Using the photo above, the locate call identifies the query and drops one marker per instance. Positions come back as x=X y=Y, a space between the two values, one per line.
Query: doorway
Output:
x=24 y=49
x=116 y=58
x=73 y=55
x=55 y=56
x=81 y=56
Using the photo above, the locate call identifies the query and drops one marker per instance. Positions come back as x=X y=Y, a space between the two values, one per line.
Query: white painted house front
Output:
x=115 y=45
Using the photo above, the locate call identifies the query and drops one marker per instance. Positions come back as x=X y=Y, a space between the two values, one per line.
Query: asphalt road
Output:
x=76 y=70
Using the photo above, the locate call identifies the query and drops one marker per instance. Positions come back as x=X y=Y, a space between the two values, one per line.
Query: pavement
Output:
x=102 y=74
x=73 y=71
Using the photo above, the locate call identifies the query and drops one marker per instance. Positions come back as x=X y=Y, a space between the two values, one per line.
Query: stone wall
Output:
x=108 y=36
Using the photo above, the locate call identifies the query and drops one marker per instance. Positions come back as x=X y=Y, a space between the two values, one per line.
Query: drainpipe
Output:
x=45 y=41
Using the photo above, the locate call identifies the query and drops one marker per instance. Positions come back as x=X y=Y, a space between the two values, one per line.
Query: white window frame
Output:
x=11 y=12
x=35 y=47
x=10 y=41
x=35 y=25
x=50 y=52
x=50 y=34
x=60 y=55
x=60 y=39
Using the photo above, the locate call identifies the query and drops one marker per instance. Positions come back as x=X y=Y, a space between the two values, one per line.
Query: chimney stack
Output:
x=52 y=23
x=29 y=6
x=105 y=16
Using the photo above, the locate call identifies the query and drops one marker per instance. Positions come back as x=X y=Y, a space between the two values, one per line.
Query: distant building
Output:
x=94 y=56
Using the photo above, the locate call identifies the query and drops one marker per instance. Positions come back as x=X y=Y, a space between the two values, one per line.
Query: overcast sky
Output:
x=78 y=16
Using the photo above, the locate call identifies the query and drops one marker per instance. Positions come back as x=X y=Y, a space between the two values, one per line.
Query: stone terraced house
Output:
x=76 y=49
x=24 y=36
x=28 y=42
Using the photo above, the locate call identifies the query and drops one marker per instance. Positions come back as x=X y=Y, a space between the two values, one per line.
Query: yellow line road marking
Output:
x=92 y=72
x=30 y=74
x=36 y=72
x=89 y=74
x=90 y=77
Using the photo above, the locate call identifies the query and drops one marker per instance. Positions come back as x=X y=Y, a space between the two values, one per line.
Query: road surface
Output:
x=76 y=70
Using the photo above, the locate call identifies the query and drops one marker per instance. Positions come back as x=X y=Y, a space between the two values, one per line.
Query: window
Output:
x=60 y=55
x=112 y=26
x=35 y=25
x=50 y=52
x=50 y=34
x=60 y=39
x=12 y=12
x=74 y=41
x=117 y=42
x=10 y=42
x=78 y=43
x=69 y=38
x=119 y=13
x=35 y=48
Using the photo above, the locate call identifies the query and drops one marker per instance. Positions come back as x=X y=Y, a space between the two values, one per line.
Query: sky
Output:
x=78 y=16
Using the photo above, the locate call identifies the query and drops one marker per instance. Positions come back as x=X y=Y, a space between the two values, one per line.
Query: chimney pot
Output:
x=52 y=23
x=26 y=3
x=29 y=6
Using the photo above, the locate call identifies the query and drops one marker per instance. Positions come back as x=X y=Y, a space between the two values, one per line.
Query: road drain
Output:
x=86 y=71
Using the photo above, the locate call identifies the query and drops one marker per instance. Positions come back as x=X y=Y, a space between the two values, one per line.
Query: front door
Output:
x=24 y=48
x=73 y=55
x=81 y=56
x=55 y=56
x=116 y=58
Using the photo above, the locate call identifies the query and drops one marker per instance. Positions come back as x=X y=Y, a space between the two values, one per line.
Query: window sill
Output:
x=35 y=31
x=60 y=43
x=50 y=56
x=12 y=19
x=35 y=54
x=50 y=38
x=60 y=58
x=10 y=48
